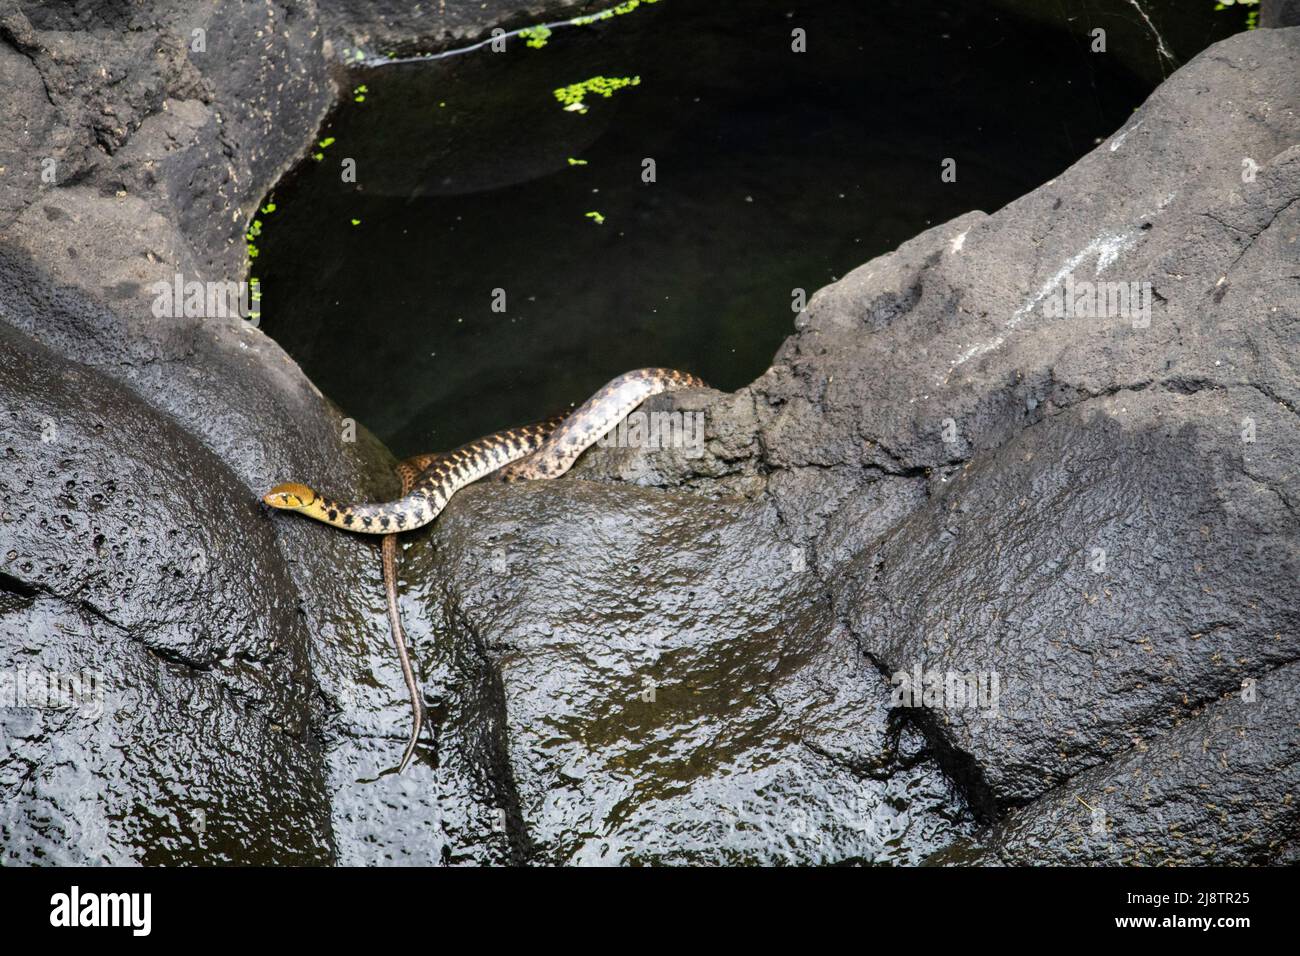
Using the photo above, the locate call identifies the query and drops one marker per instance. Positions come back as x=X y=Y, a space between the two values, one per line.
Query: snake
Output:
x=544 y=450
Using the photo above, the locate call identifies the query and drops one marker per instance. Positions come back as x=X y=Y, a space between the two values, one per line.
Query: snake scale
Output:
x=541 y=451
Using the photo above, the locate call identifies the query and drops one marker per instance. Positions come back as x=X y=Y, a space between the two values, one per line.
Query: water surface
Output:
x=773 y=171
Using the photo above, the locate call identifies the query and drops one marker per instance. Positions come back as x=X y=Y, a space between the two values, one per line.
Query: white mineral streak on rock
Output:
x=1122 y=135
x=1106 y=248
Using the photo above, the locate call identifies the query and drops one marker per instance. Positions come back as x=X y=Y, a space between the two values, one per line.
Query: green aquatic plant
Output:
x=324 y=144
x=537 y=36
x=251 y=252
x=359 y=94
x=573 y=95
x=250 y=238
x=255 y=296
x=616 y=11
x=1252 y=16
x=597 y=217
x=577 y=162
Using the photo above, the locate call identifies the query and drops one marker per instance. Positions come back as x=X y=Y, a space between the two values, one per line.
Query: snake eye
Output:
x=290 y=497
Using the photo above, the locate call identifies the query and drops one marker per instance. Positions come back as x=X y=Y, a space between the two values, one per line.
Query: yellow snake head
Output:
x=290 y=497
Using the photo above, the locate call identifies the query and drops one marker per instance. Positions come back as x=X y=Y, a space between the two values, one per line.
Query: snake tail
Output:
x=409 y=472
x=544 y=450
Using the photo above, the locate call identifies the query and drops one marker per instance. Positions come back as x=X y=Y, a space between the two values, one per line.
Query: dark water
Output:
x=774 y=171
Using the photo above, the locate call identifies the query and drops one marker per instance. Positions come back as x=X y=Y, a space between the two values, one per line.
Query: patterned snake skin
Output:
x=448 y=473
x=544 y=450
x=409 y=471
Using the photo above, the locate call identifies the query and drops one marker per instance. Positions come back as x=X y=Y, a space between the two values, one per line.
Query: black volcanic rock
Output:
x=660 y=658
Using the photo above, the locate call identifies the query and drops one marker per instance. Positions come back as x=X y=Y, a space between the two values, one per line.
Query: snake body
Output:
x=541 y=451
x=595 y=418
x=428 y=494
x=410 y=471
x=448 y=473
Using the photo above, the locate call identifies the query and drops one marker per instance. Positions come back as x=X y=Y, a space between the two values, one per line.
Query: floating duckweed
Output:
x=537 y=36
x=251 y=234
x=572 y=95
x=577 y=162
x=599 y=219
x=359 y=94
x=617 y=11
x=1252 y=16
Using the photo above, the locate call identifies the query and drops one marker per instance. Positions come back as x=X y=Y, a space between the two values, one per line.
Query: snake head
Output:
x=290 y=497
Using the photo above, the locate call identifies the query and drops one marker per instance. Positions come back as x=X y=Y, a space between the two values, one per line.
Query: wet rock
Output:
x=197 y=139
x=1159 y=587
x=180 y=729
x=1100 y=512
x=137 y=144
x=1218 y=788
x=1045 y=445
x=668 y=684
x=700 y=668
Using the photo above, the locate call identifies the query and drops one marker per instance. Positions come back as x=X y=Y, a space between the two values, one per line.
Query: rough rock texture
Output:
x=154 y=156
x=203 y=690
x=1102 y=515
x=1279 y=13
x=1195 y=594
x=1219 y=788
x=699 y=668
x=669 y=684
x=1068 y=435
